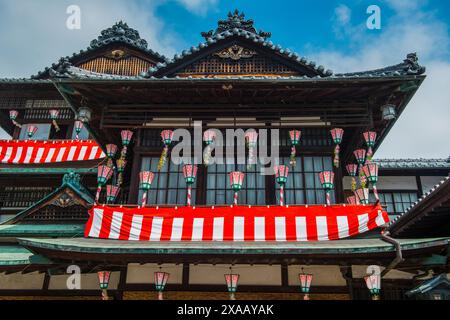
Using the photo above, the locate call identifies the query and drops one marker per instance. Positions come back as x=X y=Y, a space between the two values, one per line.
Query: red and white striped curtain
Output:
x=238 y=223
x=39 y=152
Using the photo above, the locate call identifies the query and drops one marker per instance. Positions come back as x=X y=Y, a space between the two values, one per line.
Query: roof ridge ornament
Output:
x=413 y=66
x=120 y=31
x=235 y=20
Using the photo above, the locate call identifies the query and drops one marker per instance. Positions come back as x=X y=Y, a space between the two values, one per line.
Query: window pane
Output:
x=42 y=133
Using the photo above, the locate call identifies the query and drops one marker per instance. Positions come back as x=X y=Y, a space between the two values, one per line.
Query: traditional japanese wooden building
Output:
x=63 y=123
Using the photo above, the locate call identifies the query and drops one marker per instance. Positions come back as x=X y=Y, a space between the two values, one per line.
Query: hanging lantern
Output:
x=161 y=279
x=337 y=135
x=281 y=175
x=13 y=114
x=103 y=175
x=360 y=155
x=209 y=136
x=54 y=113
x=121 y=163
x=145 y=182
x=167 y=137
x=232 y=283
x=126 y=136
x=78 y=127
x=373 y=283
x=352 y=170
x=103 y=279
x=327 y=181
x=190 y=174
x=352 y=200
x=370 y=171
x=370 y=137
x=251 y=140
x=294 y=136
x=112 y=192
x=305 y=284
x=236 y=182
x=31 y=130
x=111 y=150
x=362 y=194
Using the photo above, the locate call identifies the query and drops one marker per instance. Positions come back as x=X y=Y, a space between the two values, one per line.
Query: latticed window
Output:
x=169 y=186
x=396 y=202
x=303 y=185
x=218 y=189
x=22 y=197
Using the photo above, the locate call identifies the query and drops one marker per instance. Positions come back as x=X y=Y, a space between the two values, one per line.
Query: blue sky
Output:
x=331 y=32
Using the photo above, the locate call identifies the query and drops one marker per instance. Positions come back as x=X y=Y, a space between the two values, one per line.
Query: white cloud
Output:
x=422 y=130
x=35 y=33
x=200 y=7
x=343 y=14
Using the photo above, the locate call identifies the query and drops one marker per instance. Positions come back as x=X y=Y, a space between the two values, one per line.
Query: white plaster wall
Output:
x=249 y=275
x=322 y=275
x=144 y=273
x=361 y=271
x=89 y=281
x=19 y=281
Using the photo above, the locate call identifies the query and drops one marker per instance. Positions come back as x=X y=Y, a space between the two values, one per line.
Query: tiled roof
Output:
x=118 y=33
x=425 y=197
x=413 y=163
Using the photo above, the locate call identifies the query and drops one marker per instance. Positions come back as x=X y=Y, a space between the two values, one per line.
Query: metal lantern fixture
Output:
x=112 y=192
x=31 y=130
x=281 y=175
x=370 y=137
x=145 y=182
x=78 y=127
x=190 y=174
x=103 y=174
x=305 y=284
x=388 y=112
x=103 y=279
x=161 y=279
x=327 y=181
x=370 y=171
x=352 y=200
x=362 y=195
x=294 y=136
x=54 y=114
x=231 y=280
x=167 y=137
x=84 y=114
x=236 y=182
x=251 y=140
x=352 y=170
x=337 y=134
x=373 y=283
x=13 y=114
x=209 y=136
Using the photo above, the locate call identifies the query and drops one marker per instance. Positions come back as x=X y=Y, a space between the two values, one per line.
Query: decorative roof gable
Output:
x=68 y=202
x=118 y=50
x=234 y=41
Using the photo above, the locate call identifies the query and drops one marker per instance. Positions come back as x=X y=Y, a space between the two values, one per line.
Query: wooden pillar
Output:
x=122 y=283
x=346 y=272
x=185 y=278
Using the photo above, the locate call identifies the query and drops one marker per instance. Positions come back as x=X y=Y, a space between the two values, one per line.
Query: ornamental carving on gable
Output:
x=235 y=52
